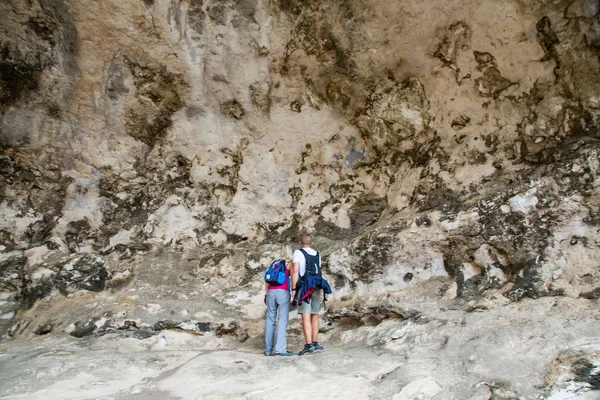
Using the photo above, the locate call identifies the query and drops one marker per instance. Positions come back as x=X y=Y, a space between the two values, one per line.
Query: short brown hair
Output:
x=306 y=239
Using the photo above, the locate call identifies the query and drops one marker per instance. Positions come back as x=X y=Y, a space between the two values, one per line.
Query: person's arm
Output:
x=295 y=273
x=266 y=291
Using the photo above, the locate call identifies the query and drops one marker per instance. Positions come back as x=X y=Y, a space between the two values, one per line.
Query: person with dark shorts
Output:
x=306 y=255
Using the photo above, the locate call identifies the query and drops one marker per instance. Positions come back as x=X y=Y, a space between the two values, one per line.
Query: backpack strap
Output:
x=308 y=256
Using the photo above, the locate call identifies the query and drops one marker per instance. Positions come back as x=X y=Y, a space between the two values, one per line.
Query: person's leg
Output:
x=282 y=298
x=314 y=322
x=270 y=324
x=307 y=327
x=309 y=348
x=314 y=318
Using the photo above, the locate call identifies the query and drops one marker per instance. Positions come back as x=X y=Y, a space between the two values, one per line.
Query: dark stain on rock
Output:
x=232 y=171
x=471 y=288
x=432 y=193
x=86 y=272
x=217 y=13
x=592 y=220
x=296 y=193
x=294 y=7
x=17 y=78
x=540 y=146
x=8 y=166
x=423 y=220
x=335 y=96
x=305 y=37
x=158 y=179
x=588 y=373
x=578 y=121
x=148 y=3
x=528 y=284
x=29 y=190
x=77 y=233
x=457 y=37
x=332 y=231
x=461 y=122
x=344 y=64
x=296 y=106
x=65 y=36
x=54 y=44
x=83 y=329
x=492 y=83
x=11 y=273
x=54 y=111
x=233 y=109
x=547 y=39
x=44 y=329
x=246 y=8
x=40 y=231
x=196 y=16
x=372 y=252
x=165 y=325
x=382 y=120
x=475 y=157
x=83 y=272
x=30 y=293
x=260 y=94
x=484 y=60
x=115 y=86
x=422 y=153
x=591 y=295
x=7 y=240
x=44 y=28
x=235 y=239
x=233 y=329
x=594 y=45
x=452 y=265
x=149 y=123
x=366 y=211
x=124 y=214
x=491 y=141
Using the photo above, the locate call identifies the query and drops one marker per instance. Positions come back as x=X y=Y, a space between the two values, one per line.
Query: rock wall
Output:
x=160 y=151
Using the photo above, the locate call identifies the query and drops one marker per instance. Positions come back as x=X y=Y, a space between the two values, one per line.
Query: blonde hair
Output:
x=286 y=251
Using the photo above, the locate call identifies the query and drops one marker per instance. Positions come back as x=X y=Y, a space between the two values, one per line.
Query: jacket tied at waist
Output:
x=310 y=283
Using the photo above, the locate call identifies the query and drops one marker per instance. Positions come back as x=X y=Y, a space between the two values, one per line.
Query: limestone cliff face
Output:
x=165 y=149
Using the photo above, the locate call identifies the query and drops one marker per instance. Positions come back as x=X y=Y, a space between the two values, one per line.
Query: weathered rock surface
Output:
x=154 y=156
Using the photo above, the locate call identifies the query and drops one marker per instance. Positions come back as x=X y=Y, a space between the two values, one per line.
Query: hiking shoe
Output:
x=286 y=354
x=318 y=348
x=307 y=350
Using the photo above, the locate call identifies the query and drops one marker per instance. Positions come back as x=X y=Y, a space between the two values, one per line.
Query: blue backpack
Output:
x=275 y=275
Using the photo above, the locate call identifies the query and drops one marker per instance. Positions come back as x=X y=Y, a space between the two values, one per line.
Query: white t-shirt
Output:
x=299 y=258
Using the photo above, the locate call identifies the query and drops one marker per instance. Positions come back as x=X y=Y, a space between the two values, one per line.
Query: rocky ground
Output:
x=403 y=346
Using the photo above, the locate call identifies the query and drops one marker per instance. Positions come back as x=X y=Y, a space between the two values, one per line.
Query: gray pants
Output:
x=278 y=309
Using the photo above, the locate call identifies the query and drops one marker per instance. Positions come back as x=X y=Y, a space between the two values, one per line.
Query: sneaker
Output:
x=318 y=348
x=307 y=350
x=286 y=354
x=267 y=354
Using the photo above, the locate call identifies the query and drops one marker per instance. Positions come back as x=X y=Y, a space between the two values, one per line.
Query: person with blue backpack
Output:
x=277 y=300
x=309 y=291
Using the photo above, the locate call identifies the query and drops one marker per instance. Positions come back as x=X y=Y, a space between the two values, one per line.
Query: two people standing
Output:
x=307 y=287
